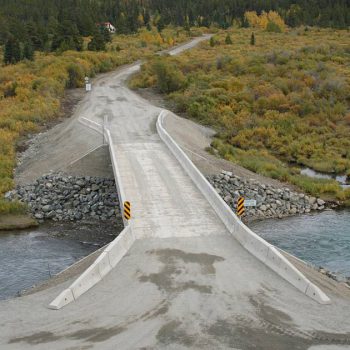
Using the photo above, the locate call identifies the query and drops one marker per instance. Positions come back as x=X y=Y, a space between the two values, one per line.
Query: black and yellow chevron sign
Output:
x=127 y=210
x=240 y=206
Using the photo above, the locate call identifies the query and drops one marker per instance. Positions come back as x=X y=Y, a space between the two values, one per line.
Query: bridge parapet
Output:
x=257 y=246
x=114 y=252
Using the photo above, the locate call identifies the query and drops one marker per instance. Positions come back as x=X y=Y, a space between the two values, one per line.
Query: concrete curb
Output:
x=121 y=193
x=92 y=125
x=258 y=247
x=110 y=257
x=112 y=254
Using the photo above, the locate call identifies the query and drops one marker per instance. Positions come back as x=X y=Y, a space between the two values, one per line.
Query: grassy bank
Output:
x=284 y=100
x=31 y=92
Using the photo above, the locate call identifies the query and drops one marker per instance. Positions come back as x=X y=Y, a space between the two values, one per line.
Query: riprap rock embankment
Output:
x=271 y=202
x=61 y=197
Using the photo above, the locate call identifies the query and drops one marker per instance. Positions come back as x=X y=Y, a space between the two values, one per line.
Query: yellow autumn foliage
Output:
x=262 y=21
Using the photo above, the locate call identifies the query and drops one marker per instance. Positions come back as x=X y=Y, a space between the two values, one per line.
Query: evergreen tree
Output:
x=34 y=36
x=146 y=17
x=187 y=28
x=252 y=39
x=28 y=51
x=61 y=24
x=16 y=51
x=228 y=40
x=8 y=51
x=67 y=37
x=106 y=35
x=160 y=25
x=97 y=43
x=212 y=42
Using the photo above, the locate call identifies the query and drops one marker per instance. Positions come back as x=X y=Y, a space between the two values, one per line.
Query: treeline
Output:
x=52 y=25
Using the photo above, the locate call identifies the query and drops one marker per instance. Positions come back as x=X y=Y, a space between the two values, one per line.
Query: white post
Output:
x=87 y=84
x=105 y=127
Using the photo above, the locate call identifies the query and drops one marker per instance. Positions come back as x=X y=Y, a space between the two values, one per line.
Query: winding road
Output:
x=186 y=283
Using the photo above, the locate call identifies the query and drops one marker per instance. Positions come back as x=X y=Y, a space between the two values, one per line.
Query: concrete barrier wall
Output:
x=121 y=194
x=257 y=246
x=110 y=257
x=92 y=125
x=113 y=253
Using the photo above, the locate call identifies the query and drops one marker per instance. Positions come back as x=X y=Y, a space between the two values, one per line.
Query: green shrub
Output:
x=169 y=78
x=7 y=207
x=273 y=27
x=228 y=40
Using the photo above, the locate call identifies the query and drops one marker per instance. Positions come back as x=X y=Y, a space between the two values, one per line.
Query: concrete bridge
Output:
x=185 y=273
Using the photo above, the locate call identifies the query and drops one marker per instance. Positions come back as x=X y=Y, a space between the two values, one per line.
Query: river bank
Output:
x=63 y=197
x=271 y=202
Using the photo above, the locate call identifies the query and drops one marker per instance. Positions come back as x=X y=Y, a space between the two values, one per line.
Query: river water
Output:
x=322 y=239
x=342 y=179
x=30 y=257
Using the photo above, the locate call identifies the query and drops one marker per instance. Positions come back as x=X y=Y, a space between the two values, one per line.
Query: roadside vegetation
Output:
x=279 y=98
x=31 y=91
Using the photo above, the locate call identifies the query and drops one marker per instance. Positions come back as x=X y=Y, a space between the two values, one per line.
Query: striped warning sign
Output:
x=127 y=210
x=240 y=206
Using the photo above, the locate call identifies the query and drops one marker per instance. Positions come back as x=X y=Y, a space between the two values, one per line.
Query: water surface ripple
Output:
x=29 y=258
x=322 y=239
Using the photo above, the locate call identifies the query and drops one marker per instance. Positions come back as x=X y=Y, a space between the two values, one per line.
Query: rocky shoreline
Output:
x=271 y=202
x=61 y=197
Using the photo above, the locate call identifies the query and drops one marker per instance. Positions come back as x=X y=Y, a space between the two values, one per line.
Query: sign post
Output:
x=87 y=84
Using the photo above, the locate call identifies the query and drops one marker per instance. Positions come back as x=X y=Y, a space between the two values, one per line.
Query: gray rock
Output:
x=321 y=202
x=263 y=207
x=312 y=200
x=46 y=208
x=78 y=216
x=94 y=188
x=51 y=215
x=80 y=183
x=228 y=199
x=293 y=211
